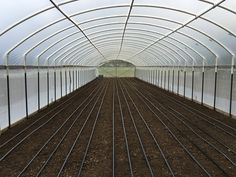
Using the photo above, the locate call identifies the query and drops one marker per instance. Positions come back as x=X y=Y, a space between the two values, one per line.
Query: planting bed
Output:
x=121 y=127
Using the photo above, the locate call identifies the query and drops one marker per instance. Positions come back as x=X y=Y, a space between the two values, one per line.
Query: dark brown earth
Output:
x=156 y=133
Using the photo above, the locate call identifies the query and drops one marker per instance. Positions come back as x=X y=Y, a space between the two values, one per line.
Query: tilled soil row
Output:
x=122 y=127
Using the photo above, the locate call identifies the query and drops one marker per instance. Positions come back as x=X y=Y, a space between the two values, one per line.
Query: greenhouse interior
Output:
x=102 y=88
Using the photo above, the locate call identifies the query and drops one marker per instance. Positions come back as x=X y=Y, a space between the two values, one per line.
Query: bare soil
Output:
x=156 y=133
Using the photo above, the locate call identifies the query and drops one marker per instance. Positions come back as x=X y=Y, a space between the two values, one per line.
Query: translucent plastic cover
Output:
x=145 y=33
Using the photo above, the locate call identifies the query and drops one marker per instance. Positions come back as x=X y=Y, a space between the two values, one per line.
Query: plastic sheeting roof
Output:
x=145 y=33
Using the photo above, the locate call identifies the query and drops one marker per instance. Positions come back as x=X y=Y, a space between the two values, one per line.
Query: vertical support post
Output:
x=161 y=77
x=48 y=85
x=173 y=79
x=231 y=86
x=148 y=72
x=178 y=82
x=66 y=80
x=61 y=80
x=165 y=79
x=8 y=97
x=149 y=76
x=203 y=78
x=216 y=68
x=184 y=81
x=168 y=80
x=76 y=78
x=73 y=78
x=155 y=76
x=192 y=81
x=70 y=79
x=26 y=94
x=158 y=77
x=38 y=89
x=55 y=84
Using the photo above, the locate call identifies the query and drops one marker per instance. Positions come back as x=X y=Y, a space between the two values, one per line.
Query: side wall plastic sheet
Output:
x=223 y=89
x=159 y=78
x=181 y=82
x=69 y=81
x=63 y=82
x=197 y=91
x=17 y=94
x=209 y=82
x=188 y=85
x=3 y=100
x=58 y=84
x=51 y=86
x=32 y=90
x=175 y=80
x=43 y=87
x=17 y=90
x=166 y=79
x=171 y=80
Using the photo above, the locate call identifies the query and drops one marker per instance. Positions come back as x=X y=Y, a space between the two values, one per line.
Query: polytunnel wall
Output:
x=212 y=86
x=30 y=90
x=184 y=46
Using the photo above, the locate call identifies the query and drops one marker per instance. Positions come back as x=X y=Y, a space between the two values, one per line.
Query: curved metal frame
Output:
x=78 y=53
x=184 y=25
x=154 y=52
x=114 y=44
x=115 y=23
x=102 y=41
x=176 y=46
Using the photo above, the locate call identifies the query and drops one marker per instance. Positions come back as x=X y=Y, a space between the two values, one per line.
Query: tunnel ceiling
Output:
x=116 y=63
x=90 y=32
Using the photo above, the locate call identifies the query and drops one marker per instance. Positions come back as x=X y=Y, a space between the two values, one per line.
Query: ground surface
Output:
x=121 y=127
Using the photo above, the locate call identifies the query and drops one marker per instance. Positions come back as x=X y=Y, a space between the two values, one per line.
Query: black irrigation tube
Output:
x=62 y=139
x=222 y=144
x=37 y=121
x=229 y=148
x=151 y=133
x=138 y=135
x=29 y=126
x=125 y=135
x=189 y=139
x=78 y=136
x=210 y=144
x=92 y=133
x=189 y=108
x=191 y=128
x=62 y=125
x=173 y=135
x=184 y=135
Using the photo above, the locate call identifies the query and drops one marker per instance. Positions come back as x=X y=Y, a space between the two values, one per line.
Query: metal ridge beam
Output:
x=68 y=18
